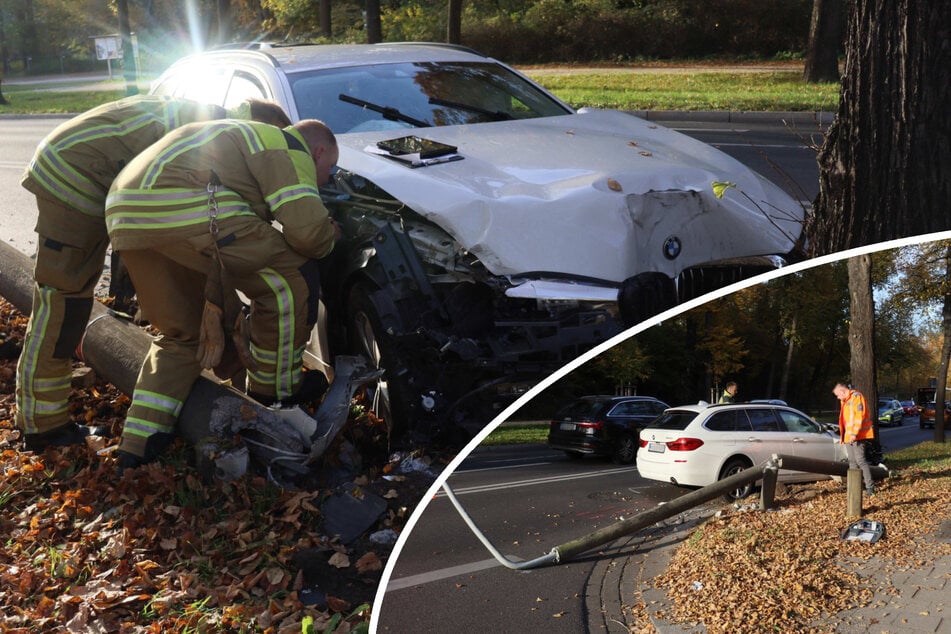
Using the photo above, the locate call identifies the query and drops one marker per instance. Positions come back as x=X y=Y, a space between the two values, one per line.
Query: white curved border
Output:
x=587 y=356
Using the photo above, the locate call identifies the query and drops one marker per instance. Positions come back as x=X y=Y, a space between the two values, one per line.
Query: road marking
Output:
x=445 y=573
x=534 y=481
x=524 y=464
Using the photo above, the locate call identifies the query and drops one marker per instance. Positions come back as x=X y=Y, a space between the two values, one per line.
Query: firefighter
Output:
x=855 y=430
x=70 y=175
x=203 y=199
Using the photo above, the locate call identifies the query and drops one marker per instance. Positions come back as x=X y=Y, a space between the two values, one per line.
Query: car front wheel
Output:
x=734 y=466
x=368 y=338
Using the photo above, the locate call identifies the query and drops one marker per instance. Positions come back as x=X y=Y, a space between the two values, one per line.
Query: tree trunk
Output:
x=862 y=333
x=885 y=166
x=224 y=22
x=29 y=39
x=128 y=54
x=374 y=25
x=784 y=381
x=825 y=40
x=454 y=26
x=940 y=388
x=326 y=24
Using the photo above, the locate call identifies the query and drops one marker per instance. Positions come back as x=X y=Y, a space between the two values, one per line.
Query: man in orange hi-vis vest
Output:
x=855 y=427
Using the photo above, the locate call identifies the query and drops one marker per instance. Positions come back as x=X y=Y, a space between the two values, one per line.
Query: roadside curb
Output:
x=732 y=116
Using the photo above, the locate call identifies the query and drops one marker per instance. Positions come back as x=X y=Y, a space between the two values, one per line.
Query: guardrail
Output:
x=768 y=472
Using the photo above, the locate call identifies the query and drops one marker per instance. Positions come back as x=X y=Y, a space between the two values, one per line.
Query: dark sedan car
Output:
x=603 y=425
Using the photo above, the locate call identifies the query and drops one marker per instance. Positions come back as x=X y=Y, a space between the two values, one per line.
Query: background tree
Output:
x=885 y=166
x=454 y=22
x=862 y=332
x=374 y=22
x=825 y=41
x=326 y=23
x=129 y=68
x=926 y=280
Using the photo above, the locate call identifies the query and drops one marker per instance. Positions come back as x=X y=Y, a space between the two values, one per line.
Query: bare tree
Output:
x=825 y=41
x=885 y=167
x=454 y=26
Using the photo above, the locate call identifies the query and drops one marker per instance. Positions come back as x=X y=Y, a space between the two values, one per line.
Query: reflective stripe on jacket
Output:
x=77 y=162
x=855 y=422
x=262 y=170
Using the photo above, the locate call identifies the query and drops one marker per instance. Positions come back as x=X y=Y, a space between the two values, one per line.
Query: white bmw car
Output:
x=697 y=445
x=511 y=232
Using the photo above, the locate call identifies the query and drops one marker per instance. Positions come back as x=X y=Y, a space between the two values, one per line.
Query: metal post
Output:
x=767 y=492
x=854 y=493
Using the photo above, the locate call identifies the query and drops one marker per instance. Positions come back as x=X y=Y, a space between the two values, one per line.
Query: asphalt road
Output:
x=776 y=147
x=526 y=499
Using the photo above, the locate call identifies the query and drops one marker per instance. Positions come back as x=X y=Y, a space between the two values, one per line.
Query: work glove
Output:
x=211 y=337
x=241 y=336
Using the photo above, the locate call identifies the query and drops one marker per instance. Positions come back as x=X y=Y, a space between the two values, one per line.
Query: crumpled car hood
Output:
x=594 y=194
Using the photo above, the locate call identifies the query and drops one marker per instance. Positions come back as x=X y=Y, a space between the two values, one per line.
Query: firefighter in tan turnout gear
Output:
x=204 y=198
x=70 y=174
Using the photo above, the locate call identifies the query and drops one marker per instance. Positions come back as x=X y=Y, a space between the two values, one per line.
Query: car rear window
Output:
x=673 y=420
x=580 y=409
x=730 y=420
x=636 y=408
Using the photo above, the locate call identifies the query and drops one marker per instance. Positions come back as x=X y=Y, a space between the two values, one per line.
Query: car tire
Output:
x=625 y=449
x=732 y=467
x=387 y=397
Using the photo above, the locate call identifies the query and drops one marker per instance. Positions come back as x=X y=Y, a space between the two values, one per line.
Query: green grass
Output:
x=779 y=91
x=926 y=455
x=506 y=434
x=622 y=89
x=27 y=100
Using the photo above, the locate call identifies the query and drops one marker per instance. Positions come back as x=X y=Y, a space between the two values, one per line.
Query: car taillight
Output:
x=642 y=443
x=684 y=444
x=591 y=426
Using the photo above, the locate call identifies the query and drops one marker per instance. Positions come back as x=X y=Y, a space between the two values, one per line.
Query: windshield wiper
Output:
x=390 y=114
x=496 y=115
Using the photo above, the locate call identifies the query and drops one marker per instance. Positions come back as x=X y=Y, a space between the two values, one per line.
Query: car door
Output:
x=808 y=439
x=767 y=436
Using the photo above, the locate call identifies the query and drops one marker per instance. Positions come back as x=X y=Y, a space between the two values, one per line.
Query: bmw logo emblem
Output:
x=672 y=247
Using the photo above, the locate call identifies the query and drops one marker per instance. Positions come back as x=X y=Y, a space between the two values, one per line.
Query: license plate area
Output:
x=656 y=447
x=566 y=427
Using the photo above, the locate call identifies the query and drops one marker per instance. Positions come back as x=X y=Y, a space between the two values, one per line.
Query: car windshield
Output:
x=388 y=96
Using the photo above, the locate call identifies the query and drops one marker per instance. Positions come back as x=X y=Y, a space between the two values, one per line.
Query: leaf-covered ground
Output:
x=161 y=550
x=788 y=570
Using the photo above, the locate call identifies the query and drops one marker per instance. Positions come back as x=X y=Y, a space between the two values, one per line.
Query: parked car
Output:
x=910 y=407
x=539 y=232
x=696 y=445
x=927 y=416
x=890 y=412
x=603 y=425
